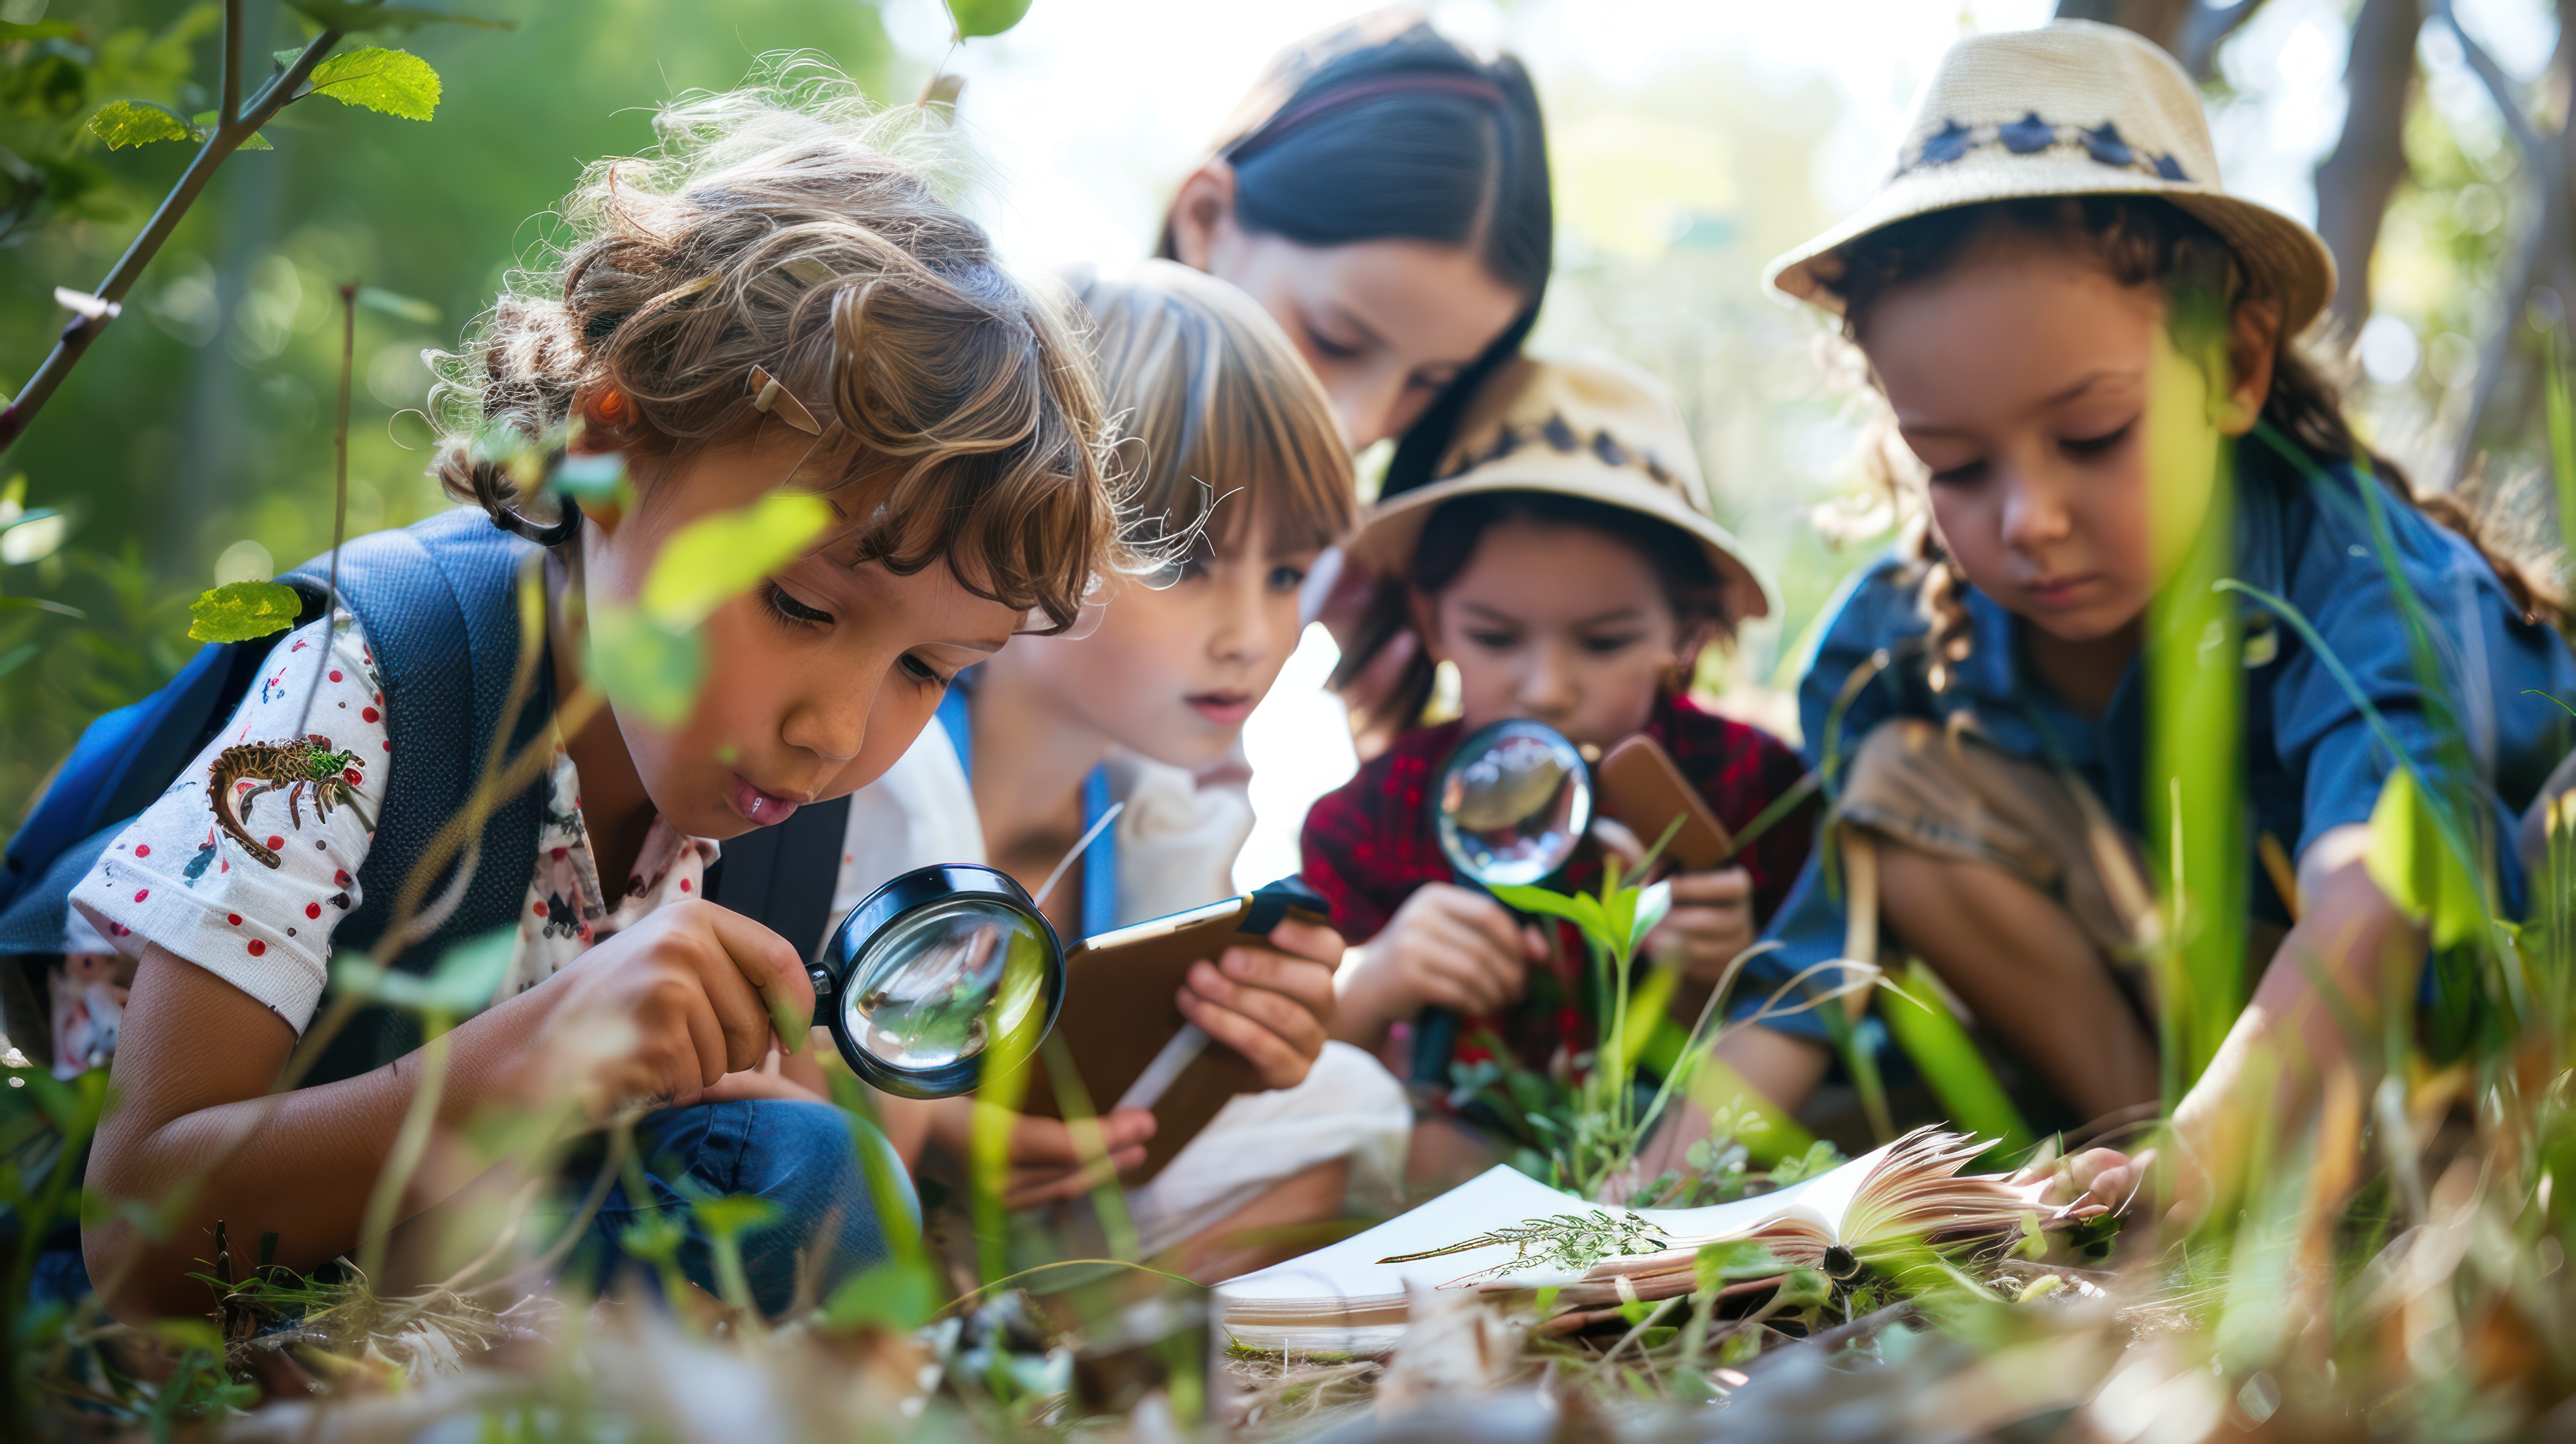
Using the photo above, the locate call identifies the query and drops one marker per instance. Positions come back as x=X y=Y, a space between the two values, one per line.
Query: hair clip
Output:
x=769 y=397
x=1086 y=618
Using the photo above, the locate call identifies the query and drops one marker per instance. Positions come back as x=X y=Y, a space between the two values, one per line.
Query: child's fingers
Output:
x=1728 y=885
x=1291 y=1018
x=1305 y=981
x=1311 y=941
x=1278 y=1064
x=1468 y=981
x=769 y=964
x=1029 y=1188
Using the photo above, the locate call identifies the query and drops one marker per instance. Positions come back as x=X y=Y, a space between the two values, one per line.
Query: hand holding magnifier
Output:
x=935 y=972
x=1510 y=807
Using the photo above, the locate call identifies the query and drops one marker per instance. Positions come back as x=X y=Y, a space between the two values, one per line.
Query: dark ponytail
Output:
x=1384 y=129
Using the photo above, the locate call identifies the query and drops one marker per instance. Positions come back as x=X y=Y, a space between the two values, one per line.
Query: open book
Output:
x=1507 y=1230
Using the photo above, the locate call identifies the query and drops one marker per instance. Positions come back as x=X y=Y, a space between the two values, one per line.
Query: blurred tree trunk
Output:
x=2355 y=183
x=2539 y=273
x=2189 y=29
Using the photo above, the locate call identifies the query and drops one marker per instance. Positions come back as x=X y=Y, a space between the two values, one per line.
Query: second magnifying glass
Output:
x=1510 y=807
x=933 y=973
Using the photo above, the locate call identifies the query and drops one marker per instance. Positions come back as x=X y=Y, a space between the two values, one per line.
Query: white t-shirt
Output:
x=176 y=877
x=1176 y=839
x=1177 y=843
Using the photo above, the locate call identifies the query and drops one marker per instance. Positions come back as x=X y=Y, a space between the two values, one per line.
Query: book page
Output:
x=1349 y=1272
x=1823 y=1201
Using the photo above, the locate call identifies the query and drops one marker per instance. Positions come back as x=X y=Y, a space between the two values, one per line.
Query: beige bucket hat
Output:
x=1598 y=430
x=2072 y=108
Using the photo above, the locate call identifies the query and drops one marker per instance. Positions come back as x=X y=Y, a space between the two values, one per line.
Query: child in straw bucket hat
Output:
x=2082 y=336
x=1564 y=561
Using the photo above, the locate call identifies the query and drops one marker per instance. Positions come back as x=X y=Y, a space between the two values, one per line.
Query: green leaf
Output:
x=241 y=611
x=895 y=1296
x=985 y=17
x=16 y=657
x=343 y=15
x=591 y=475
x=462 y=983
x=1582 y=911
x=32 y=536
x=393 y=303
x=123 y=123
x=1941 y=1050
x=395 y=82
x=39 y=604
x=205 y=124
x=1740 y=1258
x=2417 y=869
x=716 y=558
x=734 y=1214
x=648 y=671
x=1803 y=1288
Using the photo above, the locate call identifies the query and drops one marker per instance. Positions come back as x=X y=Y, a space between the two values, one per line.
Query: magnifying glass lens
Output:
x=925 y=995
x=1513 y=809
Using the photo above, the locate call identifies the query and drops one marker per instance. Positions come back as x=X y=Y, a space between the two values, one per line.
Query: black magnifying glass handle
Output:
x=1435 y=1037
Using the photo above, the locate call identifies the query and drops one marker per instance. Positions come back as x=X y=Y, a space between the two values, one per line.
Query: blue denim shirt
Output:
x=2312 y=760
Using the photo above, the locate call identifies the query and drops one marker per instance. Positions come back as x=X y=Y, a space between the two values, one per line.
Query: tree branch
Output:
x=2545 y=167
x=2355 y=183
x=230 y=105
x=227 y=137
x=2205 y=28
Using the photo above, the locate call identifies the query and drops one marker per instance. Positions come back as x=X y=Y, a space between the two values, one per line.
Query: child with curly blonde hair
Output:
x=771 y=300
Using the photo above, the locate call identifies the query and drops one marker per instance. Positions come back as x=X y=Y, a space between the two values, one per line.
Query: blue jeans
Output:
x=800 y=1158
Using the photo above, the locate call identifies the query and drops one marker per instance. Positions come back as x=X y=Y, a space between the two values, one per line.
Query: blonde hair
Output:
x=772 y=226
x=1208 y=398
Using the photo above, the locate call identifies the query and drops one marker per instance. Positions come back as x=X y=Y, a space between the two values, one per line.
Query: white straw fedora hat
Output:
x=1599 y=430
x=2073 y=108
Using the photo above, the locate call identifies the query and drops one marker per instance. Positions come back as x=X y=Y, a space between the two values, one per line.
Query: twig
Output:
x=227 y=136
x=1831 y=1339
x=339 y=506
x=1634 y=1334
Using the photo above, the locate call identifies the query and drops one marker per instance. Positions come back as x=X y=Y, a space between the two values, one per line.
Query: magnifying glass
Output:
x=932 y=973
x=1510 y=807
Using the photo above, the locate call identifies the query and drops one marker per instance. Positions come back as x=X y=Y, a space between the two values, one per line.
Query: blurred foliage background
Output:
x=1692 y=142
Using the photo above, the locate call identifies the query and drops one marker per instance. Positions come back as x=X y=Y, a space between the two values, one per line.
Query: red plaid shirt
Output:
x=1368 y=845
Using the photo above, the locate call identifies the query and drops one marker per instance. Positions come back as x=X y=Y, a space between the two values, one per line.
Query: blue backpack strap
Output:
x=439 y=606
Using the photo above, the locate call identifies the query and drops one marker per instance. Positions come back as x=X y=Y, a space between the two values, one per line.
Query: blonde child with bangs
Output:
x=768 y=301
x=1229 y=442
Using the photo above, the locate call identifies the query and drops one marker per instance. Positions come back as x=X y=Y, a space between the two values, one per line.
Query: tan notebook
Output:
x=1641 y=787
x=1506 y=1230
x=1130 y=1044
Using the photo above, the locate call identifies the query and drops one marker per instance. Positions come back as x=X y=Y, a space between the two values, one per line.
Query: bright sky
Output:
x=1087 y=113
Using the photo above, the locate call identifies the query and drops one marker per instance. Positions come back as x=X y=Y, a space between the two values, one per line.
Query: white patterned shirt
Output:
x=175 y=877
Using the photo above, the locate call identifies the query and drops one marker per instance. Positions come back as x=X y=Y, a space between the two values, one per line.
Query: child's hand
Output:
x=662 y=1011
x=768 y=1080
x=1446 y=947
x=1051 y=1159
x=1273 y=1005
x=1711 y=922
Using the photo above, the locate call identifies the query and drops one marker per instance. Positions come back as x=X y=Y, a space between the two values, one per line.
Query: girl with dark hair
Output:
x=2077 y=329
x=1565 y=563
x=1384 y=194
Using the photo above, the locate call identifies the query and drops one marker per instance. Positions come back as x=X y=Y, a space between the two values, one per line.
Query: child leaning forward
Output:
x=2024 y=289
x=770 y=301
x=1565 y=564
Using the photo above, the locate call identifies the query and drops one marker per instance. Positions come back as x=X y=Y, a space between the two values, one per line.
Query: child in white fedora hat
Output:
x=2074 y=324
x=1563 y=559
